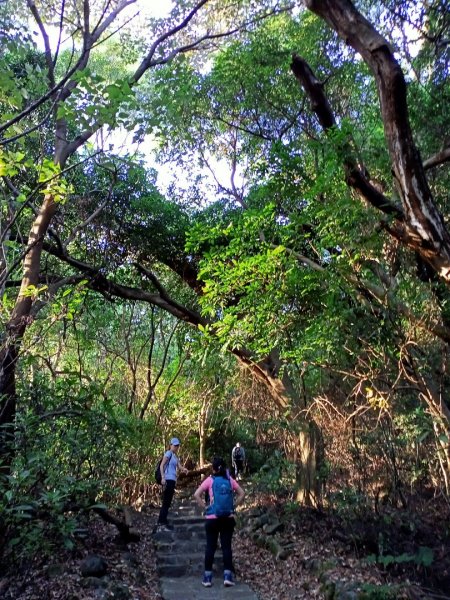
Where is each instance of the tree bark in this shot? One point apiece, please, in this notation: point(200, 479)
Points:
point(20, 318)
point(202, 422)
point(422, 228)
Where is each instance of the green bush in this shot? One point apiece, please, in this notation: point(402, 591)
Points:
point(277, 475)
point(64, 461)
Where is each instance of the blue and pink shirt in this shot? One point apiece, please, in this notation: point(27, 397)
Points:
point(207, 486)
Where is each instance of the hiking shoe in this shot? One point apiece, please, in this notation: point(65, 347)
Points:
point(165, 527)
point(207, 580)
point(228, 579)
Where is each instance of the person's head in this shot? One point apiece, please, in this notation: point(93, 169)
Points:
point(174, 444)
point(238, 444)
point(219, 466)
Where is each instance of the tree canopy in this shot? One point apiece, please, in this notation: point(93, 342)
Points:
point(271, 241)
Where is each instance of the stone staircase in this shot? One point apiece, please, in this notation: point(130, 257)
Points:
point(180, 559)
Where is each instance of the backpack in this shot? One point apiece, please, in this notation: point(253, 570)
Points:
point(237, 454)
point(223, 505)
point(158, 469)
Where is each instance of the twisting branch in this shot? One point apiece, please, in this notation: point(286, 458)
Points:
point(48, 52)
point(423, 228)
point(355, 176)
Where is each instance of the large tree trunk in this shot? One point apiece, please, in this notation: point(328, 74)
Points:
point(20, 317)
point(309, 484)
point(419, 224)
point(202, 420)
point(307, 450)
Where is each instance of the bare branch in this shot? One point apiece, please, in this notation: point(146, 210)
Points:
point(31, 129)
point(73, 234)
point(80, 64)
point(148, 60)
point(48, 52)
point(61, 21)
point(437, 159)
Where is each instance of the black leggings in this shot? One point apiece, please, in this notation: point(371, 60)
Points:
point(213, 527)
point(169, 491)
point(238, 466)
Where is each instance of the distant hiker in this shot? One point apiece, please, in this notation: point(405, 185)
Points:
point(238, 460)
point(170, 465)
point(219, 518)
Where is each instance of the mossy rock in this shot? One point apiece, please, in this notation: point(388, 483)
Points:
point(380, 592)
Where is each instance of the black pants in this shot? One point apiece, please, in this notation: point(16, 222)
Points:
point(238, 467)
point(169, 491)
point(223, 526)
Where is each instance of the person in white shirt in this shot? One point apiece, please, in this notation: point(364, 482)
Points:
point(238, 460)
point(170, 466)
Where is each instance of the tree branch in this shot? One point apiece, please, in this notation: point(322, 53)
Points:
point(424, 228)
point(437, 159)
point(48, 52)
point(355, 176)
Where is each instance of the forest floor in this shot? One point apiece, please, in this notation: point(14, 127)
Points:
point(325, 557)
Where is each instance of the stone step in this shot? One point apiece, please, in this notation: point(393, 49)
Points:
point(179, 534)
point(181, 546)
point(191, 589)
point(188, 520)
point(191, 534)
point(175, 558)
point(180, 559)
point(195, 567)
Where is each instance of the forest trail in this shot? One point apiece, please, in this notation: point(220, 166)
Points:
point(180, 560)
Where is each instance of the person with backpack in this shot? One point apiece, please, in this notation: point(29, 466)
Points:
point(168, 470)
point(219, 519)
point(238, 460)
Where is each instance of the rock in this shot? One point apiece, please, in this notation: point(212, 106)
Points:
point(55, 570)
point(312, 564)
point(346, 591)
point(119, 591)
point(260, 521)
point(346, 595)
point(130, 559)
point(252, 513)
point(93, 582)
point(272, 528)
point(328, 590)
point(93, 566)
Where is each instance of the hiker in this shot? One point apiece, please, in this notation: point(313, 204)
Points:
point(238, 460)
point(170, 465)
point(219, 518)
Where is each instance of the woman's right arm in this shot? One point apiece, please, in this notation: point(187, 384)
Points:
point(198, 496)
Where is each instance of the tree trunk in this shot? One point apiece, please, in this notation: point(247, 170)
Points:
point(20, 318)
point(202, 433)
point(308, 450)
point(421, 226)
point(309, 485)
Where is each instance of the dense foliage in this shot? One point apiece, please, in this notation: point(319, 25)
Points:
point(246, 265)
